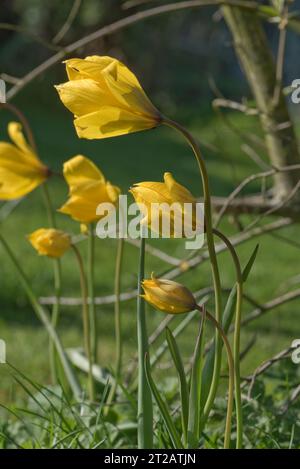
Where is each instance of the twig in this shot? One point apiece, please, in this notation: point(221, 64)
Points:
point(255, 157)
point(274, 303)
point(189, 263)
point(228, 103)
point(68, 23)
point(253, 177)
point(117, 26)
point(265, 366)
point(26, 32)
point(293, 397)
point(280, 55)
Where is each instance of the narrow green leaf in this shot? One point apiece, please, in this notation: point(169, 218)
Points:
point(226, 322)
point(195, 390)
point(247, 269)
point(174, 350)
point(162, 407)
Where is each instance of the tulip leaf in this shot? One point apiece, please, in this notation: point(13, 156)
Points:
point(195, 390)
point(162, 407)
point(226, 322)
point(248, 268)
point(182, 381)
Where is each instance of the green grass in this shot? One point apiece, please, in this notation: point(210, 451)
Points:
point(124, 161)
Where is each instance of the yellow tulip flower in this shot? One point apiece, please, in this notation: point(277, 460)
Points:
point(170, 193)
point(87, 189)
point(50, 242)
point(106, 98)
point(168, 296)
point(21, 171)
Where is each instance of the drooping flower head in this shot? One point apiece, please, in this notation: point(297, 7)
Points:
point(106, 98)
point(168, 296)
point(21, 170)
point(87, 189)
point(50, 242)
point(162, 202)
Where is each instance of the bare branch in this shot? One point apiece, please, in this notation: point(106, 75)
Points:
point(115, 27)
point(68, 23)
point(186, 264)
point(270, 305)
point(265, 366)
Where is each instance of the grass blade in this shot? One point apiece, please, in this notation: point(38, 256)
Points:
point(162, 407)
point(182, 381)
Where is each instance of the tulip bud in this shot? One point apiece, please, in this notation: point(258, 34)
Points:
point(50, 242)
point(168, 296)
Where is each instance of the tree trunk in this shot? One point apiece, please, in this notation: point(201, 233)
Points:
point(254, 53)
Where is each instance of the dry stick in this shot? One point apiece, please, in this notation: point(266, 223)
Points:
point(293, 397)
point(274, 303)
point(26, 32)
point(117, 26)
point(247, 181)
point(277, 206)
point(265, 366)
point(68, 23)
point(189, 263)
point(280, 54)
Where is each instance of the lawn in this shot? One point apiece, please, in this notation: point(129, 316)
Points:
point(124, 161)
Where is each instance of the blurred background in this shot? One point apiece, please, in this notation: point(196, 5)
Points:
point(184, 60)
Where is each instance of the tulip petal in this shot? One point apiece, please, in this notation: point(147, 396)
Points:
point(79, 171)
point(110, 122)
point(19, 173)
point(126, 88)
point(83, 97)
point(177, 191)
point(90, 67)
point(16, 135)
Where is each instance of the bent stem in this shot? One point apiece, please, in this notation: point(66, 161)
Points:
point(236, 339)
point(91, 294)
point(212, 256)
point(145, 411)
point(42, 315)
point(86, 323)
point(231, 374)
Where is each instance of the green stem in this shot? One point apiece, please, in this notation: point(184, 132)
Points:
point(55, 317)
point(86, 323)
point(57, 284)
point(212, 255)
point(145, 411)
point(52, 223)
point(236, 339)
point(195, 390)
point(231, 375)
point(118, 326)
point(91, 294)
point(42, 315)
point(51, 218)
